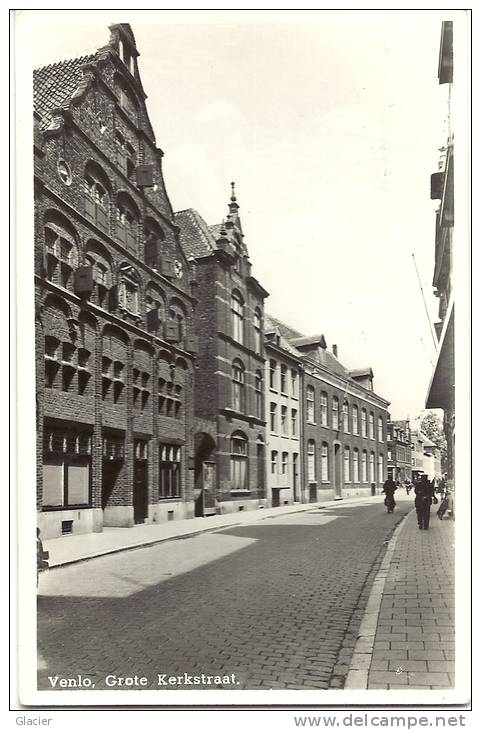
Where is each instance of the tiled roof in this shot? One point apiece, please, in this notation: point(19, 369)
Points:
point(311, 340)
point(360, 372)
point(283, 328)
point(196, 237)
point(54, 85)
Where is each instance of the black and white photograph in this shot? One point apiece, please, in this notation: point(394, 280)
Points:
point(237, 257)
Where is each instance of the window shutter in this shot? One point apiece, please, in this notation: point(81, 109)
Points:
point(168, 267)
point(172, 331)
point(145, 176)
point(192, 344)
point(83, 280)
point(153, 320)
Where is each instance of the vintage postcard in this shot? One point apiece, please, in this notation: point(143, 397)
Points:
point(239, 237)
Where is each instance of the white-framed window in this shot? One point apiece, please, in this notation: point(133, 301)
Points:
point(347, 465)
point(284, 463)
point(284, 420)
point(259, 394)
point(380, 429)
point(273, 417)
point(294, 384)
point(283, 378)
point(257, 330)
point(325, 462)
point(274, 455)
point(364, 423)
point(238, 386)
point(364, 466)
point(324, 415)
point(169, 471)
point(237, 316)
point(310, 404)
point(371, 425)
point(355, 466)
point(335, 413)
point(372, 474)
point(311, 461)
point(272, 374)
point(355, 420)
point(389, 455)
point(345, 417)
point(238, 462)
point(293, 421)
point(380, 468)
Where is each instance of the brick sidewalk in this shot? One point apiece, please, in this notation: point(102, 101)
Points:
point(414, 638)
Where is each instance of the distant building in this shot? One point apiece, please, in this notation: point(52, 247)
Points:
point(344, 422)
point(284, 416)
point(229, 433)
point(399, 466)
point(426, 456)
point(441, 393)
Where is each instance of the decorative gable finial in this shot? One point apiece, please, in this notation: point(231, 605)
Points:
point(233, 197)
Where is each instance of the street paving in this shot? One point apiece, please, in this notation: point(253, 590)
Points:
point(277, 603)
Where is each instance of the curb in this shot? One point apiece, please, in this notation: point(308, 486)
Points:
point(183, 536)
point(358, 674)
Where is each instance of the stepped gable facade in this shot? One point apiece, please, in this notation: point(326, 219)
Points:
point(115, 343)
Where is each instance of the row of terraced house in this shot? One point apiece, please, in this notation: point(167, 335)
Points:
point(164, 390)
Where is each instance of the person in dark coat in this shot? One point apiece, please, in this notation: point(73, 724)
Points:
point(424, 492)
point(389, 488)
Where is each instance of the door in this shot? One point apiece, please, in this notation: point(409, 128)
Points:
point(261, 466)
point(208, 488)
point(141, 501)
point(276, 501)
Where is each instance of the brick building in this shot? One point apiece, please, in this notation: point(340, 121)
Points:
point(283, 407)
point(229, 392)
point(399, 466)
point(114, 336)
point(441, 393)
point(344, 423)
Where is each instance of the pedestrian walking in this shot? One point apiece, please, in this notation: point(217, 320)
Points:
point(424, 492)
point(389, 487)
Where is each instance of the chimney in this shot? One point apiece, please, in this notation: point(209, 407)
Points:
point(334, 350)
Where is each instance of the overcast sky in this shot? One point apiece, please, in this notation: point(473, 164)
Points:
point(330, 123)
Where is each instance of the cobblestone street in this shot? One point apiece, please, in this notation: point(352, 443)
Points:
point(277, 603)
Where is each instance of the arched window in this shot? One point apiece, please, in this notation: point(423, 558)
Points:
point(355, 420)
point(153, 237)
point(311, 460)
point(372, 474)
point(237, 316)
point(239, 462)
point(125, 154)
point(347, 465)
point(259, 394)
point(61, 253)
point(114, 366)
point(371, 425)
point(96, 187)
point(364, 467)
point(98, 258)
point(127, 222)
point(238, 386)
point(364, 423)
point(380, 429)
point(257, 330)
point(129, 289)
point(324, 417)
point(355, 466)
point(310, 404)
point(335, 413)
point(176, 321)
point(154, 308)
point(380, 468)
point(142, 377)
point(325, 462)
point(345, 417)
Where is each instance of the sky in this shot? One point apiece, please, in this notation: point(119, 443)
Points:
point(330, 124)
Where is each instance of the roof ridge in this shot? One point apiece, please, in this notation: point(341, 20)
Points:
point(85, 54)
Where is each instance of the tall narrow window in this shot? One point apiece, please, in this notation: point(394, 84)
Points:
point(311, 461)
point(380, 431)
point(355, 466)
point(238, 386)
point(238, 462)
point(335, 413)
point(257, 331)
point(284, 463)
point(96, 197)
point(380, 468)
point(283, 379)
point(237, 316)
point(345, 417)
point(284, 420)
point(127, 222)
point(274, 462)
point(259, 394)
point(293, 422)
point(294, 384)
point(62, 257)
point(355, 420)
point(347, 469)
point(364, 466)
point(273, 415)
point(310, 404)
point(324, 408)
point(372, 475)
point(364, 423)
point(325, 462)
point(272, 374)
point(371, 425)
point(169, 471)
